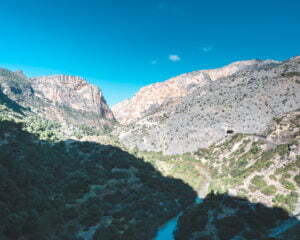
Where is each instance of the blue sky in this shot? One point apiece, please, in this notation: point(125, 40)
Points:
point(123, 45)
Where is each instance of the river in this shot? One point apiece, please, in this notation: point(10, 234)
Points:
point(166, 231)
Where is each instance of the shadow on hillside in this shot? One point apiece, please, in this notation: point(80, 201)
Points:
point(71, 190)
point(80, 190)
point(224, 217)
point(10, 103)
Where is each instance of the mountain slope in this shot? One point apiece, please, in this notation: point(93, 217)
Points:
point(263, 168)
point(244, 102)
point(223, 217)
point(67, 99)
point(151, 97)
point(55, 186)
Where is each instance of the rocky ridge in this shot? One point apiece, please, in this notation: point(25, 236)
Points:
point(244, 101)
point(67, 99)
point(151, 97)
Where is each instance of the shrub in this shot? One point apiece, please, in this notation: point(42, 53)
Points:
point(255, 149)
point(288, 185)
point(258, 181)
point(282, 149)
point(297, 179)
point(269, 190)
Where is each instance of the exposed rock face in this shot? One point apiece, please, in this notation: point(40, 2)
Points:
point(64, 98)
point(240, 159)
point(72, 91)
point(240, 98)
point(151, 97)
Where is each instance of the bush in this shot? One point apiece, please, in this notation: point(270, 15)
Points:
point(282, 149)
point(288, 185)
point(297, 180)
point(255, 149)
point(258, 181)
point(269, 190)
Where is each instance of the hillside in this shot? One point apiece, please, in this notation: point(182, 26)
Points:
point(152, 97)
point(223, 217)
point(254, 186)
point(233, 138)
point(56, 186)
point(66, 99)
point(242, 100)
point(262, 168)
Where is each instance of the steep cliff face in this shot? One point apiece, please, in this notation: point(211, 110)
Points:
point(240, 98)
point(72, 91)
point(68, 99)
point(152, 97)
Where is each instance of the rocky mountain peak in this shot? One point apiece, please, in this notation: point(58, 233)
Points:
point(197, 109)
point(154, 95)
point(59, 97)
point(72, 91)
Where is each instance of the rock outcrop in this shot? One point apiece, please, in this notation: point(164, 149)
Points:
point(68, 99)
point(72, 91)
point(241, 98)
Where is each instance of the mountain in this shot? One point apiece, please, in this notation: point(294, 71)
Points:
point(67, 182)
point(67, 99)
point(151, 97)
point(229, 135)
point(197, 109)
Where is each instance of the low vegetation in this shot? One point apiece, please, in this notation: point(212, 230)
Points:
point(224, 217)
point(53, 187)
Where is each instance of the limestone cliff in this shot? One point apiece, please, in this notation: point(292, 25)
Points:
point(68, 99)
point(149, 98)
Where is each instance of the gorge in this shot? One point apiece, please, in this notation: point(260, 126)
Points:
point(72, 168)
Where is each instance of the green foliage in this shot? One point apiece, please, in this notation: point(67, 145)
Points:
point(269, 190)
point(286, 175)
point(56, 189)
point(287, 184)
point(84, 130)
point(183, 166)
point(261, 184)
point(254, 149)
point(297, 180)
point(43, 128)
point(282, 149)
point(259, 181)
point(286, 201)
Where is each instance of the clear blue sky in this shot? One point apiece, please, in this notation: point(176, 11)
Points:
point(123, 45)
